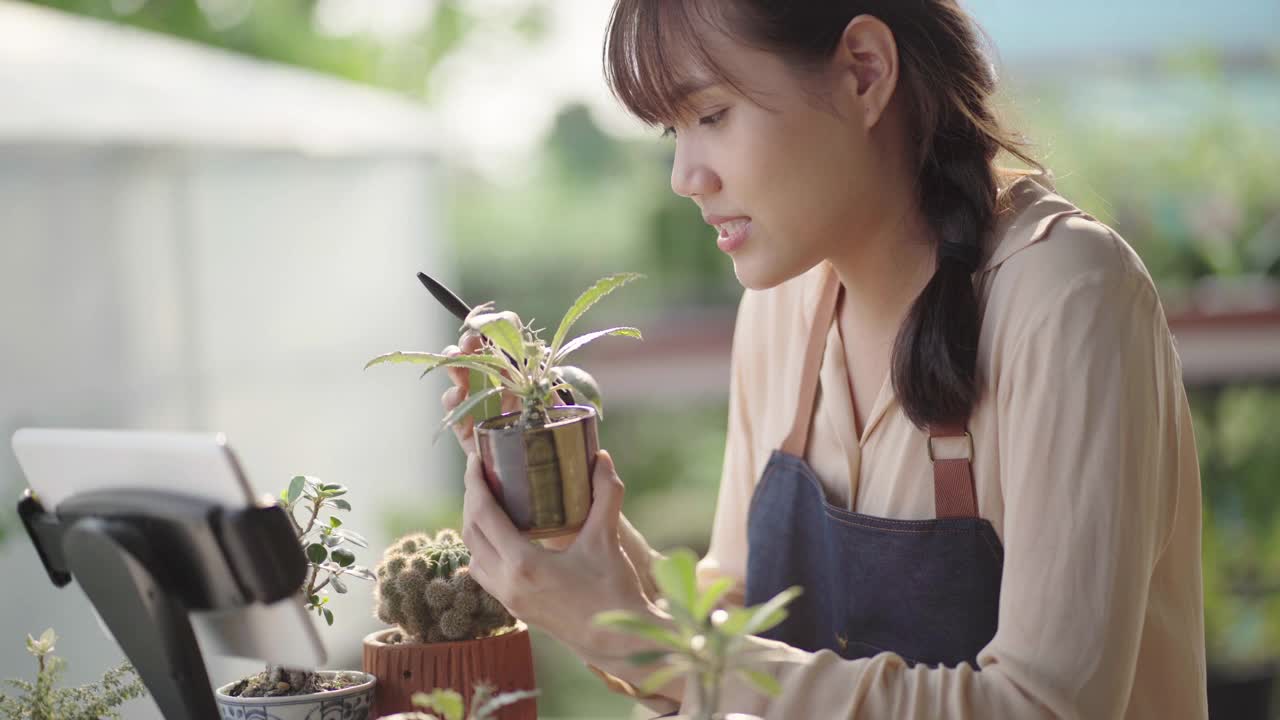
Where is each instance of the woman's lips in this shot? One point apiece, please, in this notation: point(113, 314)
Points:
point(733, 232)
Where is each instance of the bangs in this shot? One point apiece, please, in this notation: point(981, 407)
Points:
point(656, 58)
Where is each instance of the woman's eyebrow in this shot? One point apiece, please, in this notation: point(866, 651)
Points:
point(687, 89)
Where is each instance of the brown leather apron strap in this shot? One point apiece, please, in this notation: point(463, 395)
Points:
point(798, 439)
point(954, 495)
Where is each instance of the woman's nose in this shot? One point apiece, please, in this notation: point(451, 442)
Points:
point(690, 177)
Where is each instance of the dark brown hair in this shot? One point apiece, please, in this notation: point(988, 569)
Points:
point(948, 83)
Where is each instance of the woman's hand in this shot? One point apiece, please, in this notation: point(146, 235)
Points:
point(557, 591)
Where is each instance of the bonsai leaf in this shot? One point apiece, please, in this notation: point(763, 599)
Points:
point(707, 601)
point(295, 489)
point(317, 553)
point(602, 287)
point(352, 537)
point(582, 340)
point(658, 679)
point(362, 573)
point(465, 407)
point(628, 622)
point(446, 702)
point(503, 329)
point(677, 578)
point(648, 657)
point(763, 682)
point(328, 615)
point(583, 385)
point(340, 504)
point(343, 557)
point(767, 616)
point(493, 704)
point(338, 585)
point(481, 362)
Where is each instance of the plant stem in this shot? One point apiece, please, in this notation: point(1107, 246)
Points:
point(315, 511)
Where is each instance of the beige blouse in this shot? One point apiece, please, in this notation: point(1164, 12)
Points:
point(1084, 462)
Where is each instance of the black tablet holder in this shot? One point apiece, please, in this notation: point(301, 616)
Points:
point(146, 558)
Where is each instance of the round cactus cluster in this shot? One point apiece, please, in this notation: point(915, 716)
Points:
point(426, 588)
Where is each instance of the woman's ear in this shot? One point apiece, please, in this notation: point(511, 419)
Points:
point(867, 63)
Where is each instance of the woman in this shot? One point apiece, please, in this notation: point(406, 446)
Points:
point(956, 412)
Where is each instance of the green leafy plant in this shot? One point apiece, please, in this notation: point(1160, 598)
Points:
point(43, 700)
point(702, 642)
point(426, 589)
point(484, 704)
point(517, 360)
point(324, 544)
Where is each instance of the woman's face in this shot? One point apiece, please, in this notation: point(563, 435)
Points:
point(799, 178)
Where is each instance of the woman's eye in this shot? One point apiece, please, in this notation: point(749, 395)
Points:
point(712, 119)
point(709, 120)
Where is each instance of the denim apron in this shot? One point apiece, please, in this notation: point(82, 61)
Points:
point(926, 590)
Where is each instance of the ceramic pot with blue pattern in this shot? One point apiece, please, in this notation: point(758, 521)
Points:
point(351, 703)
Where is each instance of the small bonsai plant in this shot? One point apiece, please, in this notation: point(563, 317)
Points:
point(538, 461)
point(447, 632)
point(517, 360)
point(703, 642)
point(484, 704)
point(43, 700)
point(323, 543)
point(425, 589)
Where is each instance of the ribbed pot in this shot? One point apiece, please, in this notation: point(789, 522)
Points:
point(504, 661)
point(541, 476)
point(351, 703)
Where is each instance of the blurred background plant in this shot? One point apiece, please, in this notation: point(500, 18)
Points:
point(1163, 121)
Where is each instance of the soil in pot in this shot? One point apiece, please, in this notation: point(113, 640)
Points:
point(403, 668)
point(283, 682)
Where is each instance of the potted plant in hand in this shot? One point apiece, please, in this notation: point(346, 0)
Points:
point(702, 642)
point(449, 632)
point(304, 694)
point(43, 700)
point(484, 704)
point(537, 460)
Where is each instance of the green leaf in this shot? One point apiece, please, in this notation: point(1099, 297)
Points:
point(343, 557)
point(629, 622)
point(500, 701)
point(676, 577)
point(478, 382)
point(295, 489)
point(328, 616)
point(352, 537)
point(317, 553)
point(579, 342)
point(338, 585)
point(341, 504)
point(585, 389)
point(589, 297)
point(648, 657)
point(660, 678)
point(465, 407)
point(763, 682)
point(707, 601)
point(334, 522)
point(503, 329)
point(332, 491)
point(767, 615)
point(446, 702)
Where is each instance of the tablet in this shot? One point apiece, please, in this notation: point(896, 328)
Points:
point(59, 463)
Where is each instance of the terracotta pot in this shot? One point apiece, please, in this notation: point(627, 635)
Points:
point(402, 669)
point(541, 476)
point(353, 703)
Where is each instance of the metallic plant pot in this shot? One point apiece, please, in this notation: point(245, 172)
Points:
point(542, 476)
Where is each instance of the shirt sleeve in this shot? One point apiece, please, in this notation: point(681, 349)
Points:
point(1088, 394)
point(727, 553)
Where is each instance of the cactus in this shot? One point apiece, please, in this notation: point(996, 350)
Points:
point(425, 587)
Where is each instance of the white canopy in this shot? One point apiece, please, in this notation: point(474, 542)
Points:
point(65, 78)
